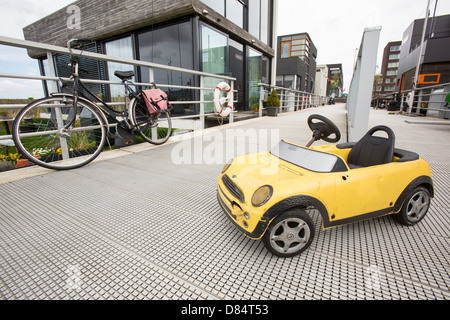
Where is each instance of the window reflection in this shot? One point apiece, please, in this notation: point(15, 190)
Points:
point(170, 46)
point(235, 12)
point(254, 17)
point(264, 21)
point(217, 5)
point(254, 75)
point(118, 48)
point(214, 59)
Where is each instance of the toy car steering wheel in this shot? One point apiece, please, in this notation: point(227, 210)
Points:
point(323, 129)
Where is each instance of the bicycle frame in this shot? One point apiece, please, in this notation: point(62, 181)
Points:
point(104, 106)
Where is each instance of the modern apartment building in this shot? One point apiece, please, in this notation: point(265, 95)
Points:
point(227, 37)
point(435, 61)
point(389, 67)
point(296, 62)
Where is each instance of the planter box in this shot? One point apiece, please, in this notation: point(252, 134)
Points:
point(272, 111)
point(25, 162)
point(6, 165)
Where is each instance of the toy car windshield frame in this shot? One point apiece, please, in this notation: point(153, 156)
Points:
point(308, 159)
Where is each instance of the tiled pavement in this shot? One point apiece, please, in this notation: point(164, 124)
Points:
point(144, 223)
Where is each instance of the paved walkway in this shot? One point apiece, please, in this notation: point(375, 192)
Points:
point(144, 223)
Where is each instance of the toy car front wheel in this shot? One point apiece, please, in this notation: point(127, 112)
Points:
point(290, 233)
point(415, 207)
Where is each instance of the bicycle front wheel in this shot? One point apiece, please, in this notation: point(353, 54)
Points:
point(153, 128)
point(39, 134)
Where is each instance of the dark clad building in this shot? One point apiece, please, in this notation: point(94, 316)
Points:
point(227, 37)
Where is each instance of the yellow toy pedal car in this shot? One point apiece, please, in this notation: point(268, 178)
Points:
point(267, 195)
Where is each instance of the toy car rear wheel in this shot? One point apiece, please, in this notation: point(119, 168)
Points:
point(290, 233)
point(415, 207)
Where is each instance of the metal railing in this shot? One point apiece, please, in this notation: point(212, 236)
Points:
point(51, 50)
point(428, 101)
point(290, 99)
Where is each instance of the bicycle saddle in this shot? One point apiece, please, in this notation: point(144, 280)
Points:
point(124, 75)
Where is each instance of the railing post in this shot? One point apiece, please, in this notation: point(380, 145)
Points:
point(232, 111)
point(419, 103)
point(202, 103)
point(261, 99)
point(402, 101)
point(51, 67)
point(57, 111)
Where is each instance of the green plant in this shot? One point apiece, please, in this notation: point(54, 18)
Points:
point(255, 107)
point(12, 157)
point(272, 99)
point(80, 141)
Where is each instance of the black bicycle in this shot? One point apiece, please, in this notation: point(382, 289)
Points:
point(68, 130)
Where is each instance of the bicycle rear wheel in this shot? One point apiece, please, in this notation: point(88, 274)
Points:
point(153, 128)
point(39, 136)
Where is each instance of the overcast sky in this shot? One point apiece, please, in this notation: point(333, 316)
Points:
point(335, 27)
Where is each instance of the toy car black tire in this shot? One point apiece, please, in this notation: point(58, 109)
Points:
point(290, 233)
point(415, 207)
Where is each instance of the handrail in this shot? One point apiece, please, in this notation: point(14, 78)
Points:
point(99, 56)
point(52, 49)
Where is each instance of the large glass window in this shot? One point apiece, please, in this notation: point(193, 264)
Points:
point(171, 46)
point(214, 50)
point(217, 5)
point(258, 19)
point(286, 49)
point(122, 48)
point(235, 12)
point(254, 9)
point(254, 75)
point(264, 21)
point(214, 59)
point(236, 67)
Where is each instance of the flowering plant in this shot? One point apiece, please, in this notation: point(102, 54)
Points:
point(42, 152)
point(12, 157)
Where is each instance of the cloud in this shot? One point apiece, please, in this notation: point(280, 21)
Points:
point(17, 14)
point(336, 27)
point(19, 89)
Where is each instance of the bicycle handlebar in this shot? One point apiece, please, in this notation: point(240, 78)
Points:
point(77, 43)
point(72, 43)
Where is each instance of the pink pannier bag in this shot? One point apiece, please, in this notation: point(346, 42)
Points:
point(156, 100)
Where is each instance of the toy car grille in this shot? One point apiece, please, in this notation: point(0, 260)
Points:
point(232, 188)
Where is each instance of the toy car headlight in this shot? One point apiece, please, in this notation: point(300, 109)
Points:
point(227, 165)
point(262, 195)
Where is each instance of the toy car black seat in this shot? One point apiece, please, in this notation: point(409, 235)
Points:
point(372, 150)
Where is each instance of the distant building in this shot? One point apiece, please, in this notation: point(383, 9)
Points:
point(389, 67)
point(296, 62)
point(435, 62)
point(321, 82)
point(335, 80)
point(384, 83)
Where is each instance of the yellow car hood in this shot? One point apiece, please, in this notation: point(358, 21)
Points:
point(252, 171)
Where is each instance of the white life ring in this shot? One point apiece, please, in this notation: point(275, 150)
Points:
point(218, 101)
